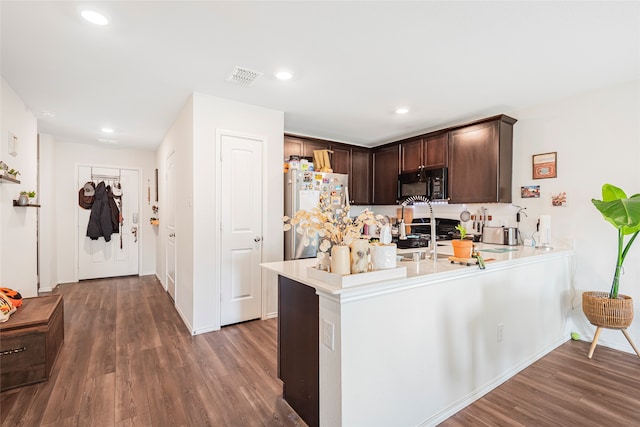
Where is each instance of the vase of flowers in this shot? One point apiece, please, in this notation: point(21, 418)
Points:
point(330, 226)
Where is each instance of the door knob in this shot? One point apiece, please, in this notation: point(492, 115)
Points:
point(172, 234)
point(257, 239)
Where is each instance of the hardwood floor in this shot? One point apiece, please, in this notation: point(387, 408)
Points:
point(128, 360)
point(564, 388)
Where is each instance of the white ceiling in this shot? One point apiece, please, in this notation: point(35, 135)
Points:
point(354, 63)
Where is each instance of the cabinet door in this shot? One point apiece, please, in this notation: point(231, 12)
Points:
point(411, 155)
point(436, 150)
point(360, 177)
point(293, 147)
point(473, 164)
point(309, 146)
point(340, 159)
point(385, 175)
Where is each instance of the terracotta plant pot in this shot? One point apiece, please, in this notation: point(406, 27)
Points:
point(605, 312)
point(462, 248)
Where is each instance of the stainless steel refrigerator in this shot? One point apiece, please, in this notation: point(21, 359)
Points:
point(302, 191)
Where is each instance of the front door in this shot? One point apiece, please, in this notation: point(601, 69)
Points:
point(241, 238)
point(118, 257)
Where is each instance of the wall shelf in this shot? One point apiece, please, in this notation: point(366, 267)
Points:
point(15, 203)
point(6, 178)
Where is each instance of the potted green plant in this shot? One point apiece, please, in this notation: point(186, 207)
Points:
point(462, 248)
point(613, 310)
point(23, 200)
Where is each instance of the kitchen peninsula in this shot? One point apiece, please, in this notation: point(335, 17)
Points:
point(414, 351)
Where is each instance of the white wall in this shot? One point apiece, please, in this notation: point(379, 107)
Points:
point(597, 137)
point(198, 266)
point(48, 230)
point(67, 156)
point(179, 140)
point(18, 225)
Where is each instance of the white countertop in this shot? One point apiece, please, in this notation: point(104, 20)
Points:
point(425, 272)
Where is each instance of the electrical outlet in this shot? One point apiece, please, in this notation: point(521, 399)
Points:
point(500, 331)
point(328, 330)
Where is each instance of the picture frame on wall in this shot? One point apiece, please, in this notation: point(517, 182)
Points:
point(545, 165)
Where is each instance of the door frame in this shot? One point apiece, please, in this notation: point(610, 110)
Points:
point(217, 239)
point(165, 238)
point(76, 249)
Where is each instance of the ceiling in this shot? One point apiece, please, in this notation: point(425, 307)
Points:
point(353, 63)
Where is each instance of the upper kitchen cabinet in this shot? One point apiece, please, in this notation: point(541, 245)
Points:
point(385, 174)
point(411, 157)
point(293, 146)
point(429, 151)
point(303, 147)
point(340, 159)
point(436, 150)
point(360, 176)
point(480, 161)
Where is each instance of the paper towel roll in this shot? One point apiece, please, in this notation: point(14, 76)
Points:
point(545, 229)
point(383, 256)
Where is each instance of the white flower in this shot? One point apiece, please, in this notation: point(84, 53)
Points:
point(332, 226)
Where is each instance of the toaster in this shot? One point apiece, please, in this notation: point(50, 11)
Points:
point(500, 235)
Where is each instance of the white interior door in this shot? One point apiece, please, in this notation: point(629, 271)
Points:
point(170, 220)
point(118, 257)
point(241, 236)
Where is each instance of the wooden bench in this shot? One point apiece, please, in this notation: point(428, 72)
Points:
point(30, 341)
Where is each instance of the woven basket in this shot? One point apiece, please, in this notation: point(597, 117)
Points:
point(606, 312)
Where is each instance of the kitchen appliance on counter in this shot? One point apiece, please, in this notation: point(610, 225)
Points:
point(500, 235)
point(429, 183)
point(421, 234)
point(303, 190)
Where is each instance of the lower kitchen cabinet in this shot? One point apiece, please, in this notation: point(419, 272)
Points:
point(480, 162)
point(385, 175)
point(298, 348)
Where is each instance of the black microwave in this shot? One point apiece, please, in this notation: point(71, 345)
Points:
point(429, 183)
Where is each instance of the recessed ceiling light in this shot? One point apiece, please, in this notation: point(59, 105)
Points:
point(48, 114)
point(402, 110)
point(284, 75)
point(107, 130)
point(94, 17)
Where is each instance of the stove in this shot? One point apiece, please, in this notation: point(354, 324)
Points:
point(421, 234)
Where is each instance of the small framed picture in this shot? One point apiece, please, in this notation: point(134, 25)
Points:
point(545, 165)
point(530, 191)
point(13, 144)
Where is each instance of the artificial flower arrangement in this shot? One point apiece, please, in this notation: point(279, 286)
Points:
point(332, 226)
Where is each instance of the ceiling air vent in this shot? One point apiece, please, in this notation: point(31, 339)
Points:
point(243, 76)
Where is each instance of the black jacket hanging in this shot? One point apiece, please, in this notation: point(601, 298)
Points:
point(100, 218)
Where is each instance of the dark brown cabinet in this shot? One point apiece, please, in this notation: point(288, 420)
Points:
point(385, 174)
point(426, 152)
point(293, 146)
point(480, 161)
point(436, 151)
point(411, 157)
point(303, 147)
point(299, 349)
point(360, 176)
point(341, 159)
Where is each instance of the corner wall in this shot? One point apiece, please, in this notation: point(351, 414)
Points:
point(18, 225)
